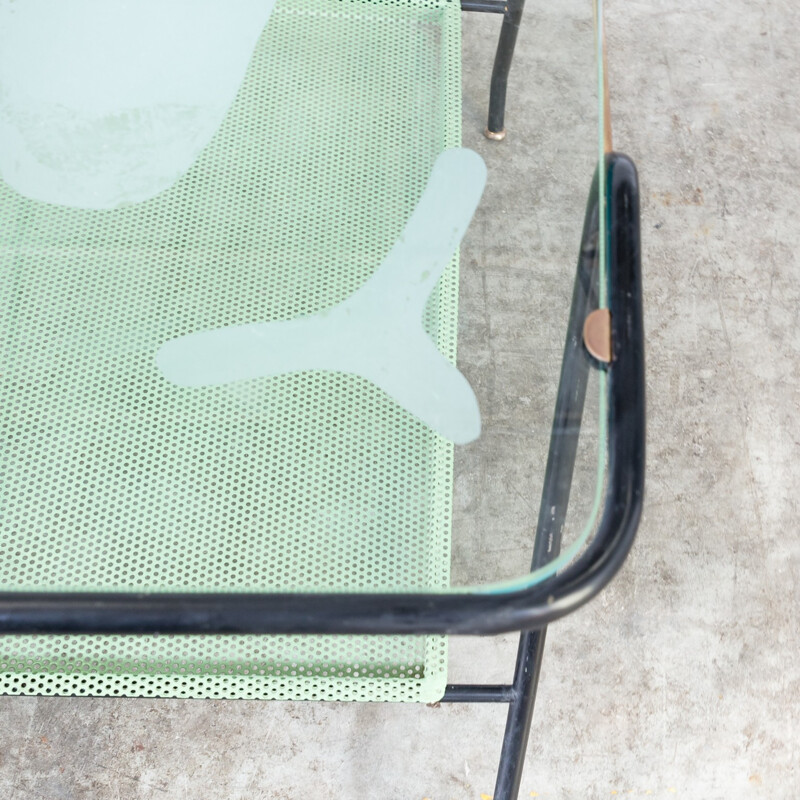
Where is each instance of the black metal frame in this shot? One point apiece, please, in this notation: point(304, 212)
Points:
point(512, 16)
point(424, 613)
point(528, 610)
point(625, 273)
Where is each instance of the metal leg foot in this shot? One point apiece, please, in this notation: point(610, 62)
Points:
point(495, 136)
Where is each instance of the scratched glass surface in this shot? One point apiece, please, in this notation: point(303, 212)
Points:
point(108, 103)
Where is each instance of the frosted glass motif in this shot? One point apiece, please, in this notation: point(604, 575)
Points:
point(377, 331)
point(108, 102)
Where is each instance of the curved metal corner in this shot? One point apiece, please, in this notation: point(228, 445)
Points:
point(453, 613)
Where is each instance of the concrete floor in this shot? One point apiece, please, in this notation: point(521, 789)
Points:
point(683, 678)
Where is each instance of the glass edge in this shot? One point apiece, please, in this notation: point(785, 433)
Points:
point(570, 553)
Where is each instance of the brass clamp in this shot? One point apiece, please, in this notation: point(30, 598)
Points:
point(597, 334)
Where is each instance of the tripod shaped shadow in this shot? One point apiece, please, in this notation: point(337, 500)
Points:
point(377, 331)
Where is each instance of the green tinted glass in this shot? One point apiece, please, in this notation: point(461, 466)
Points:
point(116, 477)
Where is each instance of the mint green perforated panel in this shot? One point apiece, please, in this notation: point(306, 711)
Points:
point(111, 478)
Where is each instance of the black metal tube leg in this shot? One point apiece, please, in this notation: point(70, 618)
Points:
point(495, 128)
point(555, 500)
point(520, 713)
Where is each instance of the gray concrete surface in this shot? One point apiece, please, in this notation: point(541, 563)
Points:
point(683, 679)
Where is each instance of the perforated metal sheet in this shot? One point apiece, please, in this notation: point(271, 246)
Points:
point(113, 479)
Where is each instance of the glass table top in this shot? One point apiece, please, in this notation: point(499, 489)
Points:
point(231, 306)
